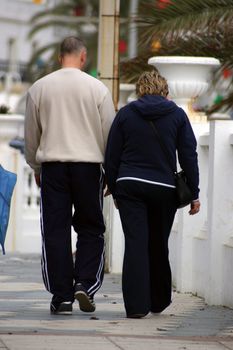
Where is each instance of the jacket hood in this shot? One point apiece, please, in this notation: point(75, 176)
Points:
point(153, 106)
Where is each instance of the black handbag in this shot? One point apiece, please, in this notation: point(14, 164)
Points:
point(183, 192)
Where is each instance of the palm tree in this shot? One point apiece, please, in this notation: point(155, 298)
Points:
point(184, 27)
point(73, 17)
point(166, 27)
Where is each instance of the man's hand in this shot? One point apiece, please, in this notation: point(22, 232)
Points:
point(37, 179)
point(107, 192)
point(194, 207)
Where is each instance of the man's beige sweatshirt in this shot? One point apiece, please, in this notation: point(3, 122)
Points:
point(68, 117)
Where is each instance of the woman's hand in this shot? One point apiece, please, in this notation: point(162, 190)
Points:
point(37, 179)
point(194, 207)
point(107, 192)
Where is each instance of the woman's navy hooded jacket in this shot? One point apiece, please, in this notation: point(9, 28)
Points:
point(133, 151)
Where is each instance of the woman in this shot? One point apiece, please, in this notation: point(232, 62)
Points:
point(142, 185)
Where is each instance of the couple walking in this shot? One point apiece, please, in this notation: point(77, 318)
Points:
point(67, 143)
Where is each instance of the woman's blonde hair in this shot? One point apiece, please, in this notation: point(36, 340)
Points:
point(151, 83)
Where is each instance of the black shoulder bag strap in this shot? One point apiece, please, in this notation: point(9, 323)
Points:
point(163, 147)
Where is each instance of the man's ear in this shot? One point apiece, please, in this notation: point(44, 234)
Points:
point(60, 59)
point(83, 58)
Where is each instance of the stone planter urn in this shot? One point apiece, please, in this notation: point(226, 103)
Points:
point(188, 78)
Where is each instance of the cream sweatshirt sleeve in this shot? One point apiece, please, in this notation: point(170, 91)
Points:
point(107, 114)
point(32, 133)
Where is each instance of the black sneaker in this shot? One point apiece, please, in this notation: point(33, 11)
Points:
point(86, 302)
point(63, 308)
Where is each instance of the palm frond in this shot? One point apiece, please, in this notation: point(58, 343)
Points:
point(35, 72)
point(224, 105)
point(130, 70)
point(64, 9)
point(60, 9)
point(38, 53)
point(184, 28)
point(182, 17)
point(54, 23)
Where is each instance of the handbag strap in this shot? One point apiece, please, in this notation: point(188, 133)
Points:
point(163, 146)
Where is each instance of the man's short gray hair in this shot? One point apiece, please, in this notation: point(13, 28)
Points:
point(70, 45)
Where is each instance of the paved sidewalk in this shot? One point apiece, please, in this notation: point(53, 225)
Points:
point(26, 324)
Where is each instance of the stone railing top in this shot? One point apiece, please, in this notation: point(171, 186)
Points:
point(231, 142)
point(127, 87)
point(11, 125)
point(184, 60)
point(219, 116)
point(11, 117)
point(204, 139)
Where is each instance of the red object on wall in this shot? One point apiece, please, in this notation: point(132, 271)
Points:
point(162, 4)
point(122, 46)
point(227, 73)
point(78, 11)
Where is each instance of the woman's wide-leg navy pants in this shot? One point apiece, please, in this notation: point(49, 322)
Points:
point(147, 213)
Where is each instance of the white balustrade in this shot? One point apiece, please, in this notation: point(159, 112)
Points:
point(181, 241)
point(114, 234)
point(23, 232)
point(219, 284)
point(31, 192)
point(125, 91)
point(27, 231)
point(10, 127)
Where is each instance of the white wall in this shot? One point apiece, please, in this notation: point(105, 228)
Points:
point(15, 23)
point(202, 249)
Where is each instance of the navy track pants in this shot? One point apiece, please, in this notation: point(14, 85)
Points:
point(72, 195)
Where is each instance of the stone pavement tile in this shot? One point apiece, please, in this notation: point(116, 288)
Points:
point(165, 344)
point(6, 278)
point(20, 287)
point(24, 309)
point(190, 318)
point(34, 342)
point(228, 345)
point(47, 342)
point(2, 346)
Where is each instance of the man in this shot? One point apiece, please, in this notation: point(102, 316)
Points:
point(68, 117)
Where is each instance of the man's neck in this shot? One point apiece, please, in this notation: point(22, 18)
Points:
point(73, 60)
point(70, 66)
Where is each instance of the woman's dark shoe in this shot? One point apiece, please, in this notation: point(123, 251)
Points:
point(136, 315)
